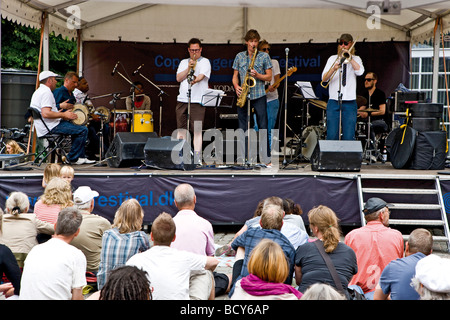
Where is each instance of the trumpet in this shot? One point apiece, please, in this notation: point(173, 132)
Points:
point(344, 58)
point(190, 77)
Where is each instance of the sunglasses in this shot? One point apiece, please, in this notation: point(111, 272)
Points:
point(265, 49)
point(369, 79)
point(345, 43)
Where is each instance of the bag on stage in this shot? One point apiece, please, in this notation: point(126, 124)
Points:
point(429, 152)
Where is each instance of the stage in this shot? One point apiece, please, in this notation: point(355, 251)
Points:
point(229, 195)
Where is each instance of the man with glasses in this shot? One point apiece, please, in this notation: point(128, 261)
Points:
point(375, 245)
point(376, 99)
point(194, 87)
point(342, 83)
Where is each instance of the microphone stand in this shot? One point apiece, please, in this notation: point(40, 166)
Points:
point(161, 93)
point(132, 98)
point(100, 134)
point(285, 109)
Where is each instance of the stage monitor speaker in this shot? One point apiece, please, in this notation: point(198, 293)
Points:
point(337, 155)
point(127, 149)
point(168, 153)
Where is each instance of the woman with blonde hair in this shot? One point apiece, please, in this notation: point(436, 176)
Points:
point(123, 240)
point(51, 171)
point(21, 228)
point(310, 267)
point(12, 147)
point(268, 269)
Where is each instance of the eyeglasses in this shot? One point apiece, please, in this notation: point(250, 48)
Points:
point(369, 79)
point(345, 43)
point(265, 49)
point(194, 50)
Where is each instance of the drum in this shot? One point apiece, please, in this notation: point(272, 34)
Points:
point(122, 120)
point(103, 111)
point(83, 114)
point(143, 121)
point(310, 137)
point(361, 130)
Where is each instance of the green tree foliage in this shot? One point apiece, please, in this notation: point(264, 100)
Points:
point(20, 49)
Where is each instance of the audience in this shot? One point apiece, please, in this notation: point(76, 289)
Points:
point(396, 278)
point(51, 171)
point(92, 228)
point(268, 269)
point(432, 279)
point(67, 173)
point(55, 270)
point(169, 269)
point(271, 222)
point(195, 234)
point(293, 212)
point(375, 245)
point(21, 228)
point(322, 291)
point(123, 240)
point(310, 267)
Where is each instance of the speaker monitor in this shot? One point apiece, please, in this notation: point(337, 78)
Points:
point(337, 155)
point(168, 153)
point(127, 149)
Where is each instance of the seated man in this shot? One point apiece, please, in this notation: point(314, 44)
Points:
point(58, 122)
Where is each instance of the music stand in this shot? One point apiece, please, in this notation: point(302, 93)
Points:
point(214, 98)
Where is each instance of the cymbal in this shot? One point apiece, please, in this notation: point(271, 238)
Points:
point(369, 110)
point(319, 103)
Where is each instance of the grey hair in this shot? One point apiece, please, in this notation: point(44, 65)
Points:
point(427, 294)
point(184, 194)
point(84, 206)
point(17, 202)
point(322, 291)
point(69, 220)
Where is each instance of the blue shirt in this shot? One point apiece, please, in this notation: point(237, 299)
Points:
point(396, 277)
point(61, 94)
point(262, 63)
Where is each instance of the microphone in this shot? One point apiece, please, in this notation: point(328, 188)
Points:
point(286, 50)
point(137, 70)
point(100, 114)
point(115, 68)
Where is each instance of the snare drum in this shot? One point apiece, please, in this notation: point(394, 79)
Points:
point(361, 130)
point(83, 114)
point(143, 121)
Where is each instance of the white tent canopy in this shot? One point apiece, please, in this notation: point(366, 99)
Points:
point(218, 21)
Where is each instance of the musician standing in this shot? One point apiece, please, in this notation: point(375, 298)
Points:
point(200, 69)
point(344, 82)
point(261, 72)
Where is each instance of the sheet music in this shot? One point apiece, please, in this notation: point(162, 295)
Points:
point(307, 89)
point(212, 98)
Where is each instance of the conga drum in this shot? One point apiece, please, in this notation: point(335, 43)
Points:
point(143, 121)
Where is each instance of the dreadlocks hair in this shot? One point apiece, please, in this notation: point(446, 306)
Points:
point(127, 283)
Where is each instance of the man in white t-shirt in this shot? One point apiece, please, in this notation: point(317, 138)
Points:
point(55, 270)
point(169, 269)
point(58, 122)
point(193, 73)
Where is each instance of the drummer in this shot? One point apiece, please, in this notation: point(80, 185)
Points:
point(64, 95)
point(141, 101)
point(80, 93)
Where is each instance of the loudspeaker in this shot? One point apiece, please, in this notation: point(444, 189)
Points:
point(168, 153)
point(127, 149)
point(337, 155)
point(429, 152)
point(425, 124)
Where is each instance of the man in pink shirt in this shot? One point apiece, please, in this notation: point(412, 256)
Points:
point(375, 245)
point(195, 234)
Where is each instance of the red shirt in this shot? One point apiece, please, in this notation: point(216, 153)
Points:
point(375, 246)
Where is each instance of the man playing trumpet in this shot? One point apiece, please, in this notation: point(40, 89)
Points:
point(340, 72)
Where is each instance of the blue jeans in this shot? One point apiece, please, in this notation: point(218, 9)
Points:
point(348, 121)
point(272, 113)
point(79, 136)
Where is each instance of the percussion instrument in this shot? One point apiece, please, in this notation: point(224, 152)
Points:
point(318, 103)
point(104, 111)
point(121, 120)
point(310, 137)
point(361, 130)
point(143, 121)
point(83, 114)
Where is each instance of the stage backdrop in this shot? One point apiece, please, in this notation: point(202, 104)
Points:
point(390, 60)
point(221, 199)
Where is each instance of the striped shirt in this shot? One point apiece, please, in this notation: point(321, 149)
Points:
point(117, 248)
point(262, 63)
point(46, 212)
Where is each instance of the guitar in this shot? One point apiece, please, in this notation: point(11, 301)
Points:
point(290, 71)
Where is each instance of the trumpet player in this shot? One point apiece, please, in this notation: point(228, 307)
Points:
point(193, 74)
point(261, 73)
point(340, 72)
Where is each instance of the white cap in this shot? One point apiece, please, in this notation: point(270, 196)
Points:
point(434, 273)
point(84, 194)
point(46, 74)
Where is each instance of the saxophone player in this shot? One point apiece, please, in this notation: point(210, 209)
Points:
point(261, 73)
point(193, 75)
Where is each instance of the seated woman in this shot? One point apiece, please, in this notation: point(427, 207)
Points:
point(12, 147)
point(268, 270)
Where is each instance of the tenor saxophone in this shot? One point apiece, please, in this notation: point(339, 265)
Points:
point(249, 82)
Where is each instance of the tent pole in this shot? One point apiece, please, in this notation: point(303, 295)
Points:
point(245, 22)
point(436, 49)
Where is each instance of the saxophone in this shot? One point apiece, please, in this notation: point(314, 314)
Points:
point(249, 82)
point(190, 77)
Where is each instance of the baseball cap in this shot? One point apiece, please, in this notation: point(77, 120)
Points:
point(346, 37)
point(46, 74)
point(433, 272)
point(84, 194)
point(374, 204)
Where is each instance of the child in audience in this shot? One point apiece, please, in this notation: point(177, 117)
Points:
point(51, 171)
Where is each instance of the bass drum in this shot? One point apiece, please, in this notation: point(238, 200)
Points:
point(310, 137)
point(83, 114)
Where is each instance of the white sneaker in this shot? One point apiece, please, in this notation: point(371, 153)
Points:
point(87, 161)
point(80, 161)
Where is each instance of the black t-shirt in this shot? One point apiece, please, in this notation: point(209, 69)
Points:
point(373, 102)
point(315, 270)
